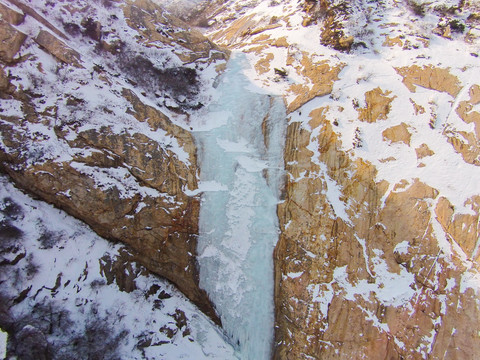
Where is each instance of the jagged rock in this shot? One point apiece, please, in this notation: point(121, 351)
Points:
point(398, 133)
point(58, 48)
point(11, 40)
point(378, 105)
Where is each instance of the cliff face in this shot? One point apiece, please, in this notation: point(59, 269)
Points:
point(69, 294)
point(378, 253)
point(88, 95)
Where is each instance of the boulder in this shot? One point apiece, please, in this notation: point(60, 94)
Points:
point(11, 40)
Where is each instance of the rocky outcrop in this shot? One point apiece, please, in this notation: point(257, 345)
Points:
point(398, 133)
point(383, 271)
point(77, 133)
point(10, 41)
point(429, 77)
point(377, 105)
point(58, 48)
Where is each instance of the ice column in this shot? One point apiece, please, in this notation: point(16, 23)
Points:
point(243, 159)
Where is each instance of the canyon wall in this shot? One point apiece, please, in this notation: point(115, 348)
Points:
point(378, 255)
point(88, 94)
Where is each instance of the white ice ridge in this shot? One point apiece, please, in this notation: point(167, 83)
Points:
point(239, 227)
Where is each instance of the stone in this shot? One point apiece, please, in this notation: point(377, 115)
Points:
point(429, 77)
point(378, 105)
point(393, 41)
point(320, 75)
point(11, 40)
point(58, 49)
point(11, 16)
point(467, 143)
point(398, 133)
point(423, 151)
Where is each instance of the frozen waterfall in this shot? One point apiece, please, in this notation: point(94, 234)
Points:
point(241, 162)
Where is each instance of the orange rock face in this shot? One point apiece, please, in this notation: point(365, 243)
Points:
point(366, 283)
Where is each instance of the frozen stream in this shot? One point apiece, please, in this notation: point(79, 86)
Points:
point(241, 176)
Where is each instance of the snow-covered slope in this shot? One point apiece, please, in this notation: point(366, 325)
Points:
point(96, 100)
point(66, 293)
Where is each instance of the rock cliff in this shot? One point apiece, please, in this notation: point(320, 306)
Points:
point(94, 110)
point(378, 252)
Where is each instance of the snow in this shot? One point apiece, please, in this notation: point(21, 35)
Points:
point(402, 247)
point(294, 275)
point(63, 250)
point(390, 289)
point(239, 227)
point(3, 344)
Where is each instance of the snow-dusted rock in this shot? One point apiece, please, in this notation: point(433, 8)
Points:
point(73, 295)
point(95, 112)
point(379, 226)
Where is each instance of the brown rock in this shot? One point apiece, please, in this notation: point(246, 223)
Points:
point(423, 151)
point(11, 40)
point(316, 311)
point(394, 41)
point(417, 108)
point(263, 65)
point(378, 105)
point(398, 133)
point(30, 12)
point(467, 143)
point(5, 86)
point(332, 29)
point(464, 229)
point(321, 77)
point(429, 77)
point(11, 16)
point(58, 48)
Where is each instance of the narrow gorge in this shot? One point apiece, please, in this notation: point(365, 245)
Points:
point(239, 179)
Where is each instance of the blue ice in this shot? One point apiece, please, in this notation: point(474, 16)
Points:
point(239, 226)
